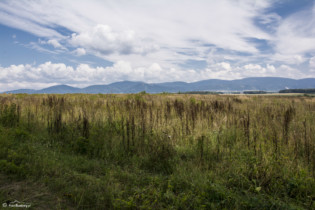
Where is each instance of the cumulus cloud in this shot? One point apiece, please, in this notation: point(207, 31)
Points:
point(55, 43)
point(255, 69)
point(167, 24)
point(24, 85)
point(104, 40)
point(224, 65)
point(46, 74)
point(149, 40)
point(79, 51)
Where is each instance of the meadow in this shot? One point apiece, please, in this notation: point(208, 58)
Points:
point(162, 151)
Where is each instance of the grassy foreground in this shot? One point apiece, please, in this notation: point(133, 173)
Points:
point(144, 151)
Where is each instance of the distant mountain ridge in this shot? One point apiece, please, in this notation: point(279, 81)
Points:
point(252, 83)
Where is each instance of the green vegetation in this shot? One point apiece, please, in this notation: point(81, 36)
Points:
point(310, 91)
point(165, 151)
point(202, 92)
point(255, 92)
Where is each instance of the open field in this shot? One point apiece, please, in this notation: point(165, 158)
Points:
point(164, 151)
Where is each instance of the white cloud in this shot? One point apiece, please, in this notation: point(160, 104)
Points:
point(224, 65)
point(24, 85)
point(293, 59)
point(104, 40)
point(253, 70)
point(21, 21)
point(271, 68)
point(148, 40)
point(55, 43)
point(168, 24)
point(79, 51)
point(296, 34)
point(38, 47)
point(32, 76)
point(312, 64)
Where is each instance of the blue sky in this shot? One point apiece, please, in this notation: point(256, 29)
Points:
point(83, 43)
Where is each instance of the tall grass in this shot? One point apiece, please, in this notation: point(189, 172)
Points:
point(163, 151)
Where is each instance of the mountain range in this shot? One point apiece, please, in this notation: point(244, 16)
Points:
point(272, 84)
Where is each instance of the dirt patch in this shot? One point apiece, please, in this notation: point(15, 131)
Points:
point(37, 195)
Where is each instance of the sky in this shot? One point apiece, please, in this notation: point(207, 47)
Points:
point(88, 42)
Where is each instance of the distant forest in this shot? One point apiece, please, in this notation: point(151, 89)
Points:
point(200, 92)
point(306, 91)
point(298, 91)
point(255, 92)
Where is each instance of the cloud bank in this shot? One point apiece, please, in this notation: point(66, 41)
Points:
point(48, 74)
point(154, 41)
